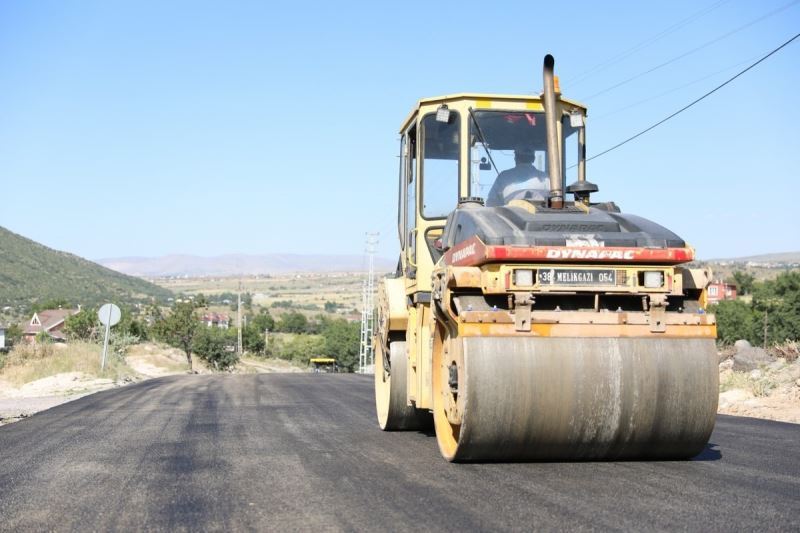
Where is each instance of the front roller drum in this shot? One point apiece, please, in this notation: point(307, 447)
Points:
point(538, 398)
point(391, 400)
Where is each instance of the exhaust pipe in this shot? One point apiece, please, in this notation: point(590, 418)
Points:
point(553, 151)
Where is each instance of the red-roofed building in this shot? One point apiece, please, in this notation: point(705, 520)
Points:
point(50, 321)
point(719, 290)
point(219, 320)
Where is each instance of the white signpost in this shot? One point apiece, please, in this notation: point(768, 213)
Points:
point(109, 315)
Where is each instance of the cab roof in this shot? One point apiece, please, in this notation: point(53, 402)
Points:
point(484, 97)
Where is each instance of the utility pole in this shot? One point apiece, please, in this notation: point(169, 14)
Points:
point(366, 357)
point(362, 352)
point(239, 321)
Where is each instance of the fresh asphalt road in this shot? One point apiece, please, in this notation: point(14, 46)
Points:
point(288, 452)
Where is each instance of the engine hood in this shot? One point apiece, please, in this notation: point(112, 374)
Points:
point(598, 225)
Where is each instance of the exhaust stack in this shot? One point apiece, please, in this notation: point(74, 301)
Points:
point(553, 150)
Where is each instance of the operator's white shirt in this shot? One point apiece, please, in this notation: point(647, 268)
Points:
point(523, 177)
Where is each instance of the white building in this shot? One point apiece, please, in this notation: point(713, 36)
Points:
point(2, 336)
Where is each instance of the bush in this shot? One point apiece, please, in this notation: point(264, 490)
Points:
point(789, 350)
point(13, 336)
point(298, 348)
point(119, 342)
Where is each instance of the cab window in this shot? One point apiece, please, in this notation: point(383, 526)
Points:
point(411, 193)
point(440, 153)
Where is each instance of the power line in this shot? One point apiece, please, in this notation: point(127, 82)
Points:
point(678, 88)
point(692, 51)
point(684, 108)
point(577, 80)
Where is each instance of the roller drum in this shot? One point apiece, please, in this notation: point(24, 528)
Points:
point(536, 398)
point(394, 412)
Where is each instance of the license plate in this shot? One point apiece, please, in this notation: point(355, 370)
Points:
point(575, 276)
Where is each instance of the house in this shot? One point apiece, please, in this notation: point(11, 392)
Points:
point(219, 320)
point(718, 290)
point(50, 321)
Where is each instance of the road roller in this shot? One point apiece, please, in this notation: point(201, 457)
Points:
point(527, 321)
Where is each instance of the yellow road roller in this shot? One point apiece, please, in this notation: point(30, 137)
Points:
point(526, 321)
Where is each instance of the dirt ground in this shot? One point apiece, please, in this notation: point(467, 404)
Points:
point(771, 391)
point(147, 360)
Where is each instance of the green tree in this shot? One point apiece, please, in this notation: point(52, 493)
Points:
point(217, 346)
point(744, 281)
point(342, 342)
point(779, 300)
point(735, 320)
point(253, 340)
point(84, 325)
point(247, 301)
point(263, 321)
point(293, 322)
point(179, 327)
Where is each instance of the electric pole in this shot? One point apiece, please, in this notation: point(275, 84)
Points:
point(366, 356)
point(239, 321)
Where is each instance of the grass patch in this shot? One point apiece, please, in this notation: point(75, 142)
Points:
point(759, 387)
point(26, 363)
point(734, 380)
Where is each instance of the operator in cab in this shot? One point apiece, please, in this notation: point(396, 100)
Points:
point(523, 181)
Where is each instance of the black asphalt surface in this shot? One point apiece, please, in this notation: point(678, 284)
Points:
point(289, 452)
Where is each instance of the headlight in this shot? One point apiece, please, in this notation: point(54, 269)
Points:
point(653, 279)
point(523, 277)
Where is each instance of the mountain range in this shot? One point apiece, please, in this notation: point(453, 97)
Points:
point(780, 257)
point(240, 264)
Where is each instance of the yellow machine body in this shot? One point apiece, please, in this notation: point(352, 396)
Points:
point(536, 370)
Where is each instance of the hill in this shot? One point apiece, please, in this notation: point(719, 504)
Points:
point(779, 257)
point(240, 265)
point(31, 273)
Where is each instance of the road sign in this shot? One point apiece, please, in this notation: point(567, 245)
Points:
point(109, 315)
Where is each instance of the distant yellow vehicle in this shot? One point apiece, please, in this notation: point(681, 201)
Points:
point(525, 325)
point(323, 364)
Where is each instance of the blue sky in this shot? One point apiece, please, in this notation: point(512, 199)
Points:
point(148, 127)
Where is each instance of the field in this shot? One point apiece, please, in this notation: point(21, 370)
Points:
point(307, 292)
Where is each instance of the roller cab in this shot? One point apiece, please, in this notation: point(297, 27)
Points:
point(525, 324)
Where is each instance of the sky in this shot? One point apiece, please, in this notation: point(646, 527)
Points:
point(145, 128)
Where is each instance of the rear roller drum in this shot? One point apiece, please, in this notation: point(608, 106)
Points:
point(539, 398)
point(391, 402)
